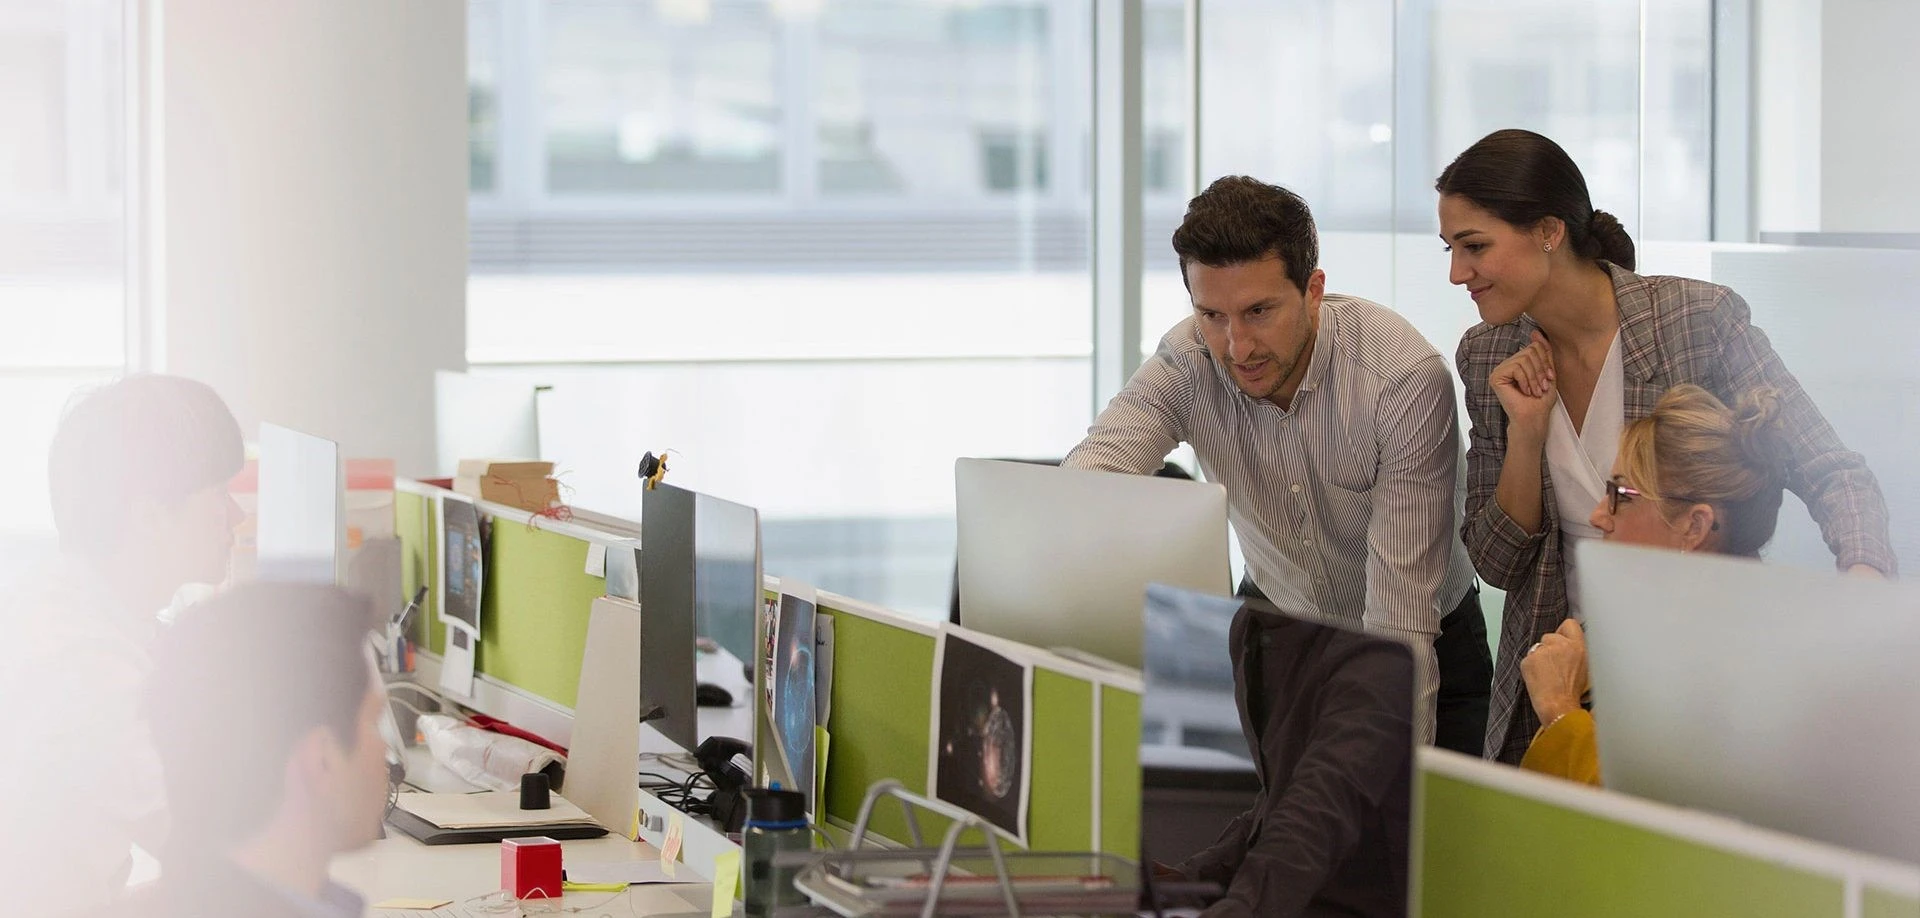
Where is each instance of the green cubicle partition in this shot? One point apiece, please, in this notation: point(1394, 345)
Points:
point(1085, 779)
point(1495, 840)
point(1085, 771)
point(537, 598)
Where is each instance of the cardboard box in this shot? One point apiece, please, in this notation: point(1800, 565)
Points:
point(517, 483)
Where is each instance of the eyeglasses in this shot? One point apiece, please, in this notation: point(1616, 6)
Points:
point(1618, 493)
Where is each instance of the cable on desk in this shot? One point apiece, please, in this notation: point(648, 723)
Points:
point(502, 904)
point(684, 761)
point(448, 706)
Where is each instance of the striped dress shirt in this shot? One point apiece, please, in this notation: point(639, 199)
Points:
point(1346, 503)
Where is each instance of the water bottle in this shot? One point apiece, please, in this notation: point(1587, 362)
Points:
point(776, 825)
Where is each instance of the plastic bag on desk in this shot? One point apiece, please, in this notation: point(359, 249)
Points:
point(490, 760)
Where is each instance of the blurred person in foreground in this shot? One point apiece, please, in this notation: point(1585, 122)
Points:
point(138, 474)
point(274, 760)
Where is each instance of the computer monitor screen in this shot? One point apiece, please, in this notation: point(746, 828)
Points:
point(462, 563)
point(699, 577)
point(1061, 558)
point(301, 517)
point(668, 622)
point(1188, 673)
point(726, 571)
point(1781, 696)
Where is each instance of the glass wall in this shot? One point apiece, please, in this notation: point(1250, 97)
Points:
point(816, 250)
point(848, 239)
point(62, 237)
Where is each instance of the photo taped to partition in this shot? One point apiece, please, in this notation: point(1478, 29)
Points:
point(980, 759)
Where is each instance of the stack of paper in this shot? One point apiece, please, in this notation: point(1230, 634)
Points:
point(490, 810)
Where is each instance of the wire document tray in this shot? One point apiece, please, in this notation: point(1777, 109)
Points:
point(923, 880)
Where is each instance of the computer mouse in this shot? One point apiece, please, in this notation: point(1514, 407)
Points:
point(708, 695)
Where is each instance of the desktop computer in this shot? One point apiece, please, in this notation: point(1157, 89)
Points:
point(699, 578)
point(1061, 558)
point(1778, 695)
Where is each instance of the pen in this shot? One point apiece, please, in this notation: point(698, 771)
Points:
point(570, 886)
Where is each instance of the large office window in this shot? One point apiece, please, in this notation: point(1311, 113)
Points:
point(822, 249)
point(1359, 104)
point(816, 250)
point(62, 236)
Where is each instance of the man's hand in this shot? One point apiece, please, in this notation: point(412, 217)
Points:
point(1524, 385)
point(1556, 671)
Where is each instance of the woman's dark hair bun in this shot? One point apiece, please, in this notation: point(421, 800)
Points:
point(1610, 239)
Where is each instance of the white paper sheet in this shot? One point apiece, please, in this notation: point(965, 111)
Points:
point(493, 809)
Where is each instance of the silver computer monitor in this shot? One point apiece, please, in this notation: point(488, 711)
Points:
point(1778, 695)
point(301, 517)
point(699, 577)
point(1061, 558)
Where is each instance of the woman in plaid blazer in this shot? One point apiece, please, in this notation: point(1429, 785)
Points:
point(1573, 346)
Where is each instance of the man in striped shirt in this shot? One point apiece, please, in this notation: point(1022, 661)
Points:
point(1332, 424)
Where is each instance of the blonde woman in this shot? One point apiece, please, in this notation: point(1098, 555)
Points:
point(1694, 475)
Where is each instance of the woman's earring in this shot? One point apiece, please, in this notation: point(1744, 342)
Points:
point(1547, 248)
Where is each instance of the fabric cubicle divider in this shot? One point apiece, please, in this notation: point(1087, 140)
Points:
point(883, 717)
point(538, 597)
point(533, 633)
point(1494, 840)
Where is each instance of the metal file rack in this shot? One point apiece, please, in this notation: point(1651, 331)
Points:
point(867, 880)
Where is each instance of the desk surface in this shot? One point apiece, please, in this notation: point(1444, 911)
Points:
point(398, 866)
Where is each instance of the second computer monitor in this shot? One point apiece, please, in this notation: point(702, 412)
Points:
point(699, 577)
point(1062, 557)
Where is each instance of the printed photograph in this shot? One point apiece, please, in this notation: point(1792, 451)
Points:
point(980, 753)
point(793, 692)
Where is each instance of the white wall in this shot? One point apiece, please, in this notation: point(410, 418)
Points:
point(1870, 122)
point(312, 219)
point(1786, 115)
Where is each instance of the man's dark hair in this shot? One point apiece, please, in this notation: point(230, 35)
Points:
point(146, 436)
point(1523, 178)
point(238, 680)
point(1239, 220)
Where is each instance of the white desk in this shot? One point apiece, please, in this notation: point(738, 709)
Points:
point(397, 867)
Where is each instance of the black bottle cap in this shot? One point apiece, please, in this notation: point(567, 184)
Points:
point(534, 791)
point(775, 807)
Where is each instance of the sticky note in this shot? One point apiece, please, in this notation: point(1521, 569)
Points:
point(670, 847)
point(596, 559)
point(821, 740)
point(726, 876)
point(424, 905)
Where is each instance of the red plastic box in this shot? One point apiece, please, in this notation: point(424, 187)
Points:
point(530, 867)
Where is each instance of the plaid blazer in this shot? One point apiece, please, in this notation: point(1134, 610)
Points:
point(1672, 330)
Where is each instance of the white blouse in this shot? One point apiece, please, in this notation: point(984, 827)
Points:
point(1580, 463)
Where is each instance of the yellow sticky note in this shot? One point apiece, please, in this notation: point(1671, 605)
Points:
point(726, 877)
point(821, 739)
point(670, 847)
point(633, 832)
point(423, 905)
